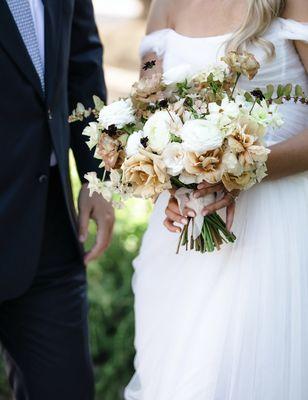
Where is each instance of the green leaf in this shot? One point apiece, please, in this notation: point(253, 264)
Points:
point(280, 91)
point(288, 90)
point(175, 139)
point(278, 101)
point(299, 91)
point(99, 104)
point(270, 91)
point(249, 97)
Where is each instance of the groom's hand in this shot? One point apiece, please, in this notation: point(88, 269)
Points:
point(102, 212)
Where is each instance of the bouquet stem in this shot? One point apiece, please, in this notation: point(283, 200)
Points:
point(214, 233)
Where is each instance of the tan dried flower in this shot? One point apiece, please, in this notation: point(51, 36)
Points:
point(207, 167)
point(148, 90)
point(111, 151)
point(146, 174)
point(242, 63)
point(232, 182)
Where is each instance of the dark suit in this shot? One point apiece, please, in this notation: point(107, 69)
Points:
point(43, 307)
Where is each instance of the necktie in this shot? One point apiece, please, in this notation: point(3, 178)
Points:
point(21, 12)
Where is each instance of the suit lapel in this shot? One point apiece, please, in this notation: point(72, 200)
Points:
point(53, 24)
point(12, 43)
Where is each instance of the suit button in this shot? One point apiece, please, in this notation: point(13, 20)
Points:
point(49, 114)
point(43, 179)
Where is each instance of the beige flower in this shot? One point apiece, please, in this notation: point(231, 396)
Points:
point(111, 151)
point(145, 172)
point(207, 167)
point(242, 63)
point(148, 90)
point(247, 149)
point(232, 182)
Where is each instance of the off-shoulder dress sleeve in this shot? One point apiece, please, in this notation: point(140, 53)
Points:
point(294, 30)
point(155, 42)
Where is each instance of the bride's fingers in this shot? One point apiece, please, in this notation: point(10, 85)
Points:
point(226, 201)
point(230, 216)
point(204, 185)
point(171, 227)
point(175, 217)
point(208, 190)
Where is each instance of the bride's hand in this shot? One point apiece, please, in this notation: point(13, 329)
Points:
point(227, 200)
point(173, 215)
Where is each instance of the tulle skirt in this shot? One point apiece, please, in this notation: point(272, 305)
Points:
point(230, 325)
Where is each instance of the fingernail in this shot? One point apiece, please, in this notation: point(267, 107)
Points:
point(205, 213)
point(81, 238)
point(191, 214)
point(178, 230)
point(196, 195)
point(184, 221)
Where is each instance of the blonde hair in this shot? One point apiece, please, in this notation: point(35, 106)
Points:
point(258, 19)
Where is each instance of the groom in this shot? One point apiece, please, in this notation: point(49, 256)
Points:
point(50, 58)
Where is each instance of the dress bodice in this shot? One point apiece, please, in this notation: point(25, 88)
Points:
point(285, 67)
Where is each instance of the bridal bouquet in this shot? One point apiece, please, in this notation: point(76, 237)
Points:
point(181, 128)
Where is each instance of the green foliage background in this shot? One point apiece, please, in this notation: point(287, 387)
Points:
point(111, 304)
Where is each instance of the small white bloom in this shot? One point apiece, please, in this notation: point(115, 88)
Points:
point(232, 164)
point(174, 157)
point(200, 136)
point(266, 115)
point(115, 178)
point(96, 185)
point(158, 129)
point(178, 74)
point(93, 132)
point(277, 120)
point(218, 71)
point(119, 113)
point(133, 143)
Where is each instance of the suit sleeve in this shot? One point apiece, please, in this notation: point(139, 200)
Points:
point(86, 78)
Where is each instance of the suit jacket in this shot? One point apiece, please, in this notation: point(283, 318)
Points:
point(31, 124)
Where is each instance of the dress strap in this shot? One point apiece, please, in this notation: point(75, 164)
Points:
point(155, 42)
point(294, 30)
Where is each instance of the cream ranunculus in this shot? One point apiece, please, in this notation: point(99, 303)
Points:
point(119, 113)
point(174, 158)
point(158, 129)
point(146, 174)
point(200, 136)
point(134, 143)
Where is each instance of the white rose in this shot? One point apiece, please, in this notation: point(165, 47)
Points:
point(133, 143)
point(174, 157)
point(200, 136)
point(158, 129)
point(231, 164)
point(119, 113)
point(93, 133)
point(177, 74)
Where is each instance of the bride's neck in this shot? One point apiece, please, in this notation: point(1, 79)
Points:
point(210, 17)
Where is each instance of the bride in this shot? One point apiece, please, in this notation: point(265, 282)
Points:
point(230, 325)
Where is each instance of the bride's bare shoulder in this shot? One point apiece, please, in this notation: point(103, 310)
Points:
point(297, 10)
point(159, 16)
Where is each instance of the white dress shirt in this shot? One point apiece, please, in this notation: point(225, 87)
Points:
point(37, 9)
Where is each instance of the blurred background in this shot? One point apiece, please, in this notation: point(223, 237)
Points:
point(121, 25)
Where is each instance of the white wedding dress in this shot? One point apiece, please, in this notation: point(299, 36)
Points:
point(230, 325)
